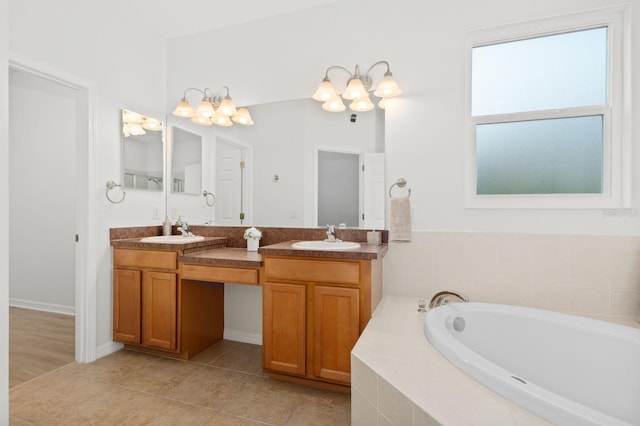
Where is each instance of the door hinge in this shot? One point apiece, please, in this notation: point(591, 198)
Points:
point(242, 164)
point(77, 238)
point(362, 216)
point(363, 167)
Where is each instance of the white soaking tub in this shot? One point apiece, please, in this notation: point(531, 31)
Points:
point(567, 369)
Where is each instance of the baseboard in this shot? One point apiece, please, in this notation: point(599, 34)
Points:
point(108, 349)
point(40, 306)
point(241, 336)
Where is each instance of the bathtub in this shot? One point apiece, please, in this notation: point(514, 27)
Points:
point(567, 369)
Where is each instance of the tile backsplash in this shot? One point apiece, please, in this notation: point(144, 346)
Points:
point(597, 276)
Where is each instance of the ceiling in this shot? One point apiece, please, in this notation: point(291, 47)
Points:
point(170, 18)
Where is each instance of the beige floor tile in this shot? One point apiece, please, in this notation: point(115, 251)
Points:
point(221, 419)
point(213, 352)
point(322, 408)
point(159, 376)
point(170, 413)
point(211, 387)
point(113, 368)
point(265, 400)
point(112, 406)
point(242, 357)
point(51, 396)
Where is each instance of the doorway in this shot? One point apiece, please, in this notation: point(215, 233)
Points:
point(51, 207)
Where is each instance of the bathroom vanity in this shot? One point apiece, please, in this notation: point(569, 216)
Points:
point(169, 298)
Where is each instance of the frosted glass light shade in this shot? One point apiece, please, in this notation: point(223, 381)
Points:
point(151, 124)
point(334, 104)
point(202, 121)
point(325, 91)
point(242, 117)
point(131, 117)
point(355, 89)
point(205, 109)
point(136, 129)
point(184, 109)
point(383, 103)
point(221, 119)
point(227, 107)
point(362, 104)
point(387, 88)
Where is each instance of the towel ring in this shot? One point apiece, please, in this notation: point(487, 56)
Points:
point(206, 195)
point(110, 185)
point(401, 184)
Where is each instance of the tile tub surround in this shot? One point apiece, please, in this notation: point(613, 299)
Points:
point(589, 275)
point(399, 378)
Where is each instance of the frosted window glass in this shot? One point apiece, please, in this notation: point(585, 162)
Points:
point(556, 71)
point(557, 156)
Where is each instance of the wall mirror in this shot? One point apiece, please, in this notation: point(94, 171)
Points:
point(142, 151)
point(186, 161)
point(275, 162)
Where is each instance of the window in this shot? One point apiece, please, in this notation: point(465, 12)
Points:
point(546, 118)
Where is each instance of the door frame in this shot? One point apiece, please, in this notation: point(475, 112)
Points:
point(85, 208)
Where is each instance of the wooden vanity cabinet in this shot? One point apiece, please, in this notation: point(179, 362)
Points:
point(314, 310)
point(145, 298)
point(147, 304)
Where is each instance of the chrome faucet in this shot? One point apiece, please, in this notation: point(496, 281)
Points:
point(183, 227)
point(331, 234)
point(444, 297)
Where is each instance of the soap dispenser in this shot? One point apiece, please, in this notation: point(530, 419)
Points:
point(166, 226)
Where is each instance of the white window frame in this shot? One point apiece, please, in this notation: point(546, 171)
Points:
point(617, 112)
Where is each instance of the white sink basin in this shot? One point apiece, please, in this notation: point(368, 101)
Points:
point(325, 245)
point(172, 239)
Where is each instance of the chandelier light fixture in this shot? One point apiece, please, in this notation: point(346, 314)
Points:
point(213, 109)
point(357, 91)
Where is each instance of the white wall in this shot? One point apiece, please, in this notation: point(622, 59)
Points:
point(424, 43)
point(42, 204)
point(86, 42)
point(4, 212)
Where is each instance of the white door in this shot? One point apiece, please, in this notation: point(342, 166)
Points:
point(231, 184)
point(373, 192)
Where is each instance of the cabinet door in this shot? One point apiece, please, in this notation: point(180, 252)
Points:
point(127, 287)
point(159, 310)
point(284, 327)
point(335, 331)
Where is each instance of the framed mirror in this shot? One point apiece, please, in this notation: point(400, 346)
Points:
point(186, 161)
point(142, 151)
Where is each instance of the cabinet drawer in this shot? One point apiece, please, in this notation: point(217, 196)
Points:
point(220, 274)
point(326, 271)
point(154, 259)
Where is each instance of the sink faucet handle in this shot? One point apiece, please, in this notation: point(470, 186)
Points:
point(331, 233)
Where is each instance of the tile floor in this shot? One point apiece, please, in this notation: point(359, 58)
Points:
point(223, 385)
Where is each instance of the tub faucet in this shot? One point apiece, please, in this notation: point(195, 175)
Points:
point(331, 234)
point(183, 227)
point(444, 297)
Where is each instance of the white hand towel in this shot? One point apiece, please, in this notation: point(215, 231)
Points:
point(400, 229)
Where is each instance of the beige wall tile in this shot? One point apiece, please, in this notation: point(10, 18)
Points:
point(590, 301)
point(363, 413)
point(625, 304)
point(590, 267)
point(625, 269)
point(364, 380)
point(394, 405)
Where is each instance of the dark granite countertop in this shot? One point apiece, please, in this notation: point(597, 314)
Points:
point(364, 252)
point(136, 243)
point(223, 256)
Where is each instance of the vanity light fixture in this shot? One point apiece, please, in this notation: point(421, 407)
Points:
point(357, 90)
point(213, 109)
point(134, 124)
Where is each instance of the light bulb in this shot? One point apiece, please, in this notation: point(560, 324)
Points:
point(355, 89)
point(334, 104)
point(325, 91)
point(183, 109)
point(387, 88)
